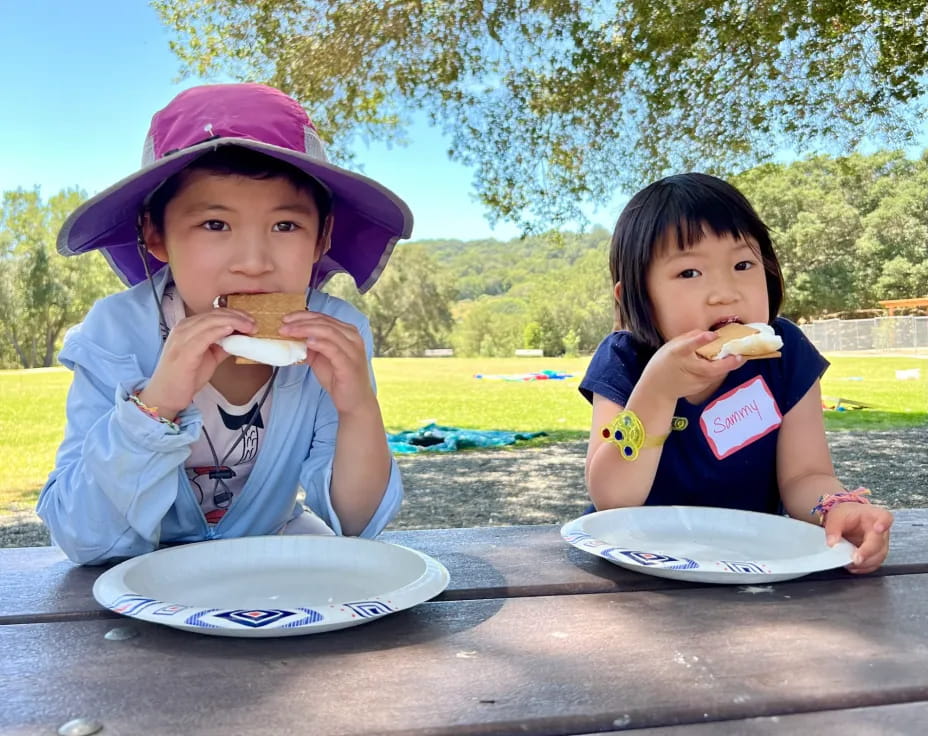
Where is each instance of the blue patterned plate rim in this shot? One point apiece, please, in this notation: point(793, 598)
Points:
point(126, 590)
point(621, 537)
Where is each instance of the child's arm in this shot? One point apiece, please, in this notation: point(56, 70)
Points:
point(363, 469)
point(805, 473)
point(116, 473)
point(673, 372)
point(118, 470)
point(612, 481)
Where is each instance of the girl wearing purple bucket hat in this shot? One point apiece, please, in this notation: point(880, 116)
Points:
point(169, 440)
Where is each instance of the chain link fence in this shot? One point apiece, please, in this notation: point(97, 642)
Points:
point(881, 334)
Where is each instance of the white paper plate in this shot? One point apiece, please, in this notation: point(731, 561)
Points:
point(708, 545)
point(271, 586)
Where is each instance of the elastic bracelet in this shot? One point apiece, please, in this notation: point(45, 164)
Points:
point(827, 502)
point(152, 411)
point(627, 433)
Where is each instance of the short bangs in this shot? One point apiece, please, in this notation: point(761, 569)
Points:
point(238, 161)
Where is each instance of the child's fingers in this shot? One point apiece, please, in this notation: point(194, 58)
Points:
point(332, 351)
point(870, 555)
point(215, 320)
point(345, 353)
point(865, 566)
point(328, 337)
point(872, 543)
point(315, 318)
point(303, 324)
point(836, 528)
point(218, 352)
point(208, 328)
point(728, 363)
point(883, 521)
point(242, 321)
point(690, 341)
point(203, 337)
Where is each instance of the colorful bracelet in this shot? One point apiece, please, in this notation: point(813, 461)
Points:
point(827, 502)
point(152, 411)
point(627, 433)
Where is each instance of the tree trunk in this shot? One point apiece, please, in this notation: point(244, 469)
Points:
point(18, 348)
point(51, 337)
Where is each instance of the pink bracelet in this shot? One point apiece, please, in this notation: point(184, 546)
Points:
point(152, 411)
point(828, 502)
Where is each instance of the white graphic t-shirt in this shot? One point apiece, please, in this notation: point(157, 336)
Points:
point(216, 479)
point(215, 482)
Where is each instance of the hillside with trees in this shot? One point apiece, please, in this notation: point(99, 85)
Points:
point(849, 232)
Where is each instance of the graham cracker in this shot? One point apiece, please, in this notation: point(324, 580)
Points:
point(267, 309)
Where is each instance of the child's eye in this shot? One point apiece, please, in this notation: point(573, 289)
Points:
point(744, 265)
point(286, 226)
point(215, 225)
point(688, 273)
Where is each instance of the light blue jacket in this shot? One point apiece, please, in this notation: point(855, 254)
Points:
point(119, 488)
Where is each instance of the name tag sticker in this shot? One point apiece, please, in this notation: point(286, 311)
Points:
point(740, 417)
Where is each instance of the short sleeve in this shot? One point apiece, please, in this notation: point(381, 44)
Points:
point(614, 369)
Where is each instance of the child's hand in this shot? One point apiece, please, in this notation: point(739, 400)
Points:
point(335, 352)
point(678, 371)
point(190, 357)
point(863, 525)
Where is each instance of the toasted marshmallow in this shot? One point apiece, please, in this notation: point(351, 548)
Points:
point(753, 340)
point(264, 350)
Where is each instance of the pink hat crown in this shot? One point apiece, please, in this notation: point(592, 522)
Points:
point(246, 111)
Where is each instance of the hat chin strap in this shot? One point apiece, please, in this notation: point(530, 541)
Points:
point(143, 255)
point(326, 235)
point(222, 498)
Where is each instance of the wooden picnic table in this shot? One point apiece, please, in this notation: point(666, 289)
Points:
point(531, 637)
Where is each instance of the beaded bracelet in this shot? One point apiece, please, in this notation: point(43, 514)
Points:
point(152, 411)
point(827, 502)
point(627, 433)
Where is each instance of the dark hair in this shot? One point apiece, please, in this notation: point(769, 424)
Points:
point(238, 161)
point(679, 209)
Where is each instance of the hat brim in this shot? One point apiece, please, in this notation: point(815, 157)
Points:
point(368, 217)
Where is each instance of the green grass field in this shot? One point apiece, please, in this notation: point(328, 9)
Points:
point(414, 391)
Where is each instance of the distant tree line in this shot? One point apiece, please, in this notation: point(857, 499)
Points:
point(41, 292)
point(849, 232)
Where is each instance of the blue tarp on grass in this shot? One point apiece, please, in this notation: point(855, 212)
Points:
point(435, 438)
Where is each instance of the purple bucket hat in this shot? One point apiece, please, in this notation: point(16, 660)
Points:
point(369, 218)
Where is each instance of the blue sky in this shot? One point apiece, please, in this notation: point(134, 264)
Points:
point(90, 74)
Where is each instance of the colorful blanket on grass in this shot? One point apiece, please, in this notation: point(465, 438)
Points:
point(537, 376)
point(435, 438)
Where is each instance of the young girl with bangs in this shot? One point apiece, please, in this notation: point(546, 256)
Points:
point(689, 254)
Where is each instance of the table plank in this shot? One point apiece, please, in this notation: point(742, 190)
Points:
point(904, 718)
point(40, 584)
point(543, 665)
